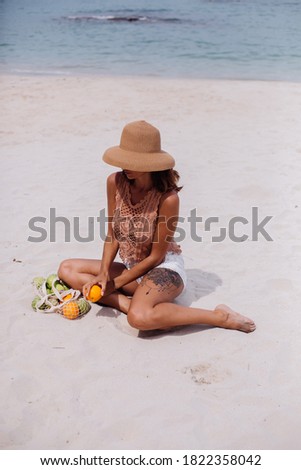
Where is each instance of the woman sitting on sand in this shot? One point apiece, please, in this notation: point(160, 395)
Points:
point(143, 205)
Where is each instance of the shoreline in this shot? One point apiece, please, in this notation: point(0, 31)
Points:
point(99, 75)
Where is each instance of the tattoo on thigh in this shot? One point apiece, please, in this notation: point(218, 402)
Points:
point(162, 279)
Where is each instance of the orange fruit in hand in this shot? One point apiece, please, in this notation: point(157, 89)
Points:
point(95, 293)
point(71, 310)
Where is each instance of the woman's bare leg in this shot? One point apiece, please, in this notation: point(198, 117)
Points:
point(152, 307)
point(77, 272)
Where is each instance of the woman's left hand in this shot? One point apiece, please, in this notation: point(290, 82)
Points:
point(110, 287)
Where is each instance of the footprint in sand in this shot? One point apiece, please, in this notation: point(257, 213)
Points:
point(205, 374)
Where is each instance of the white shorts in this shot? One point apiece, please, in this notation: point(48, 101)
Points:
point(174, 262)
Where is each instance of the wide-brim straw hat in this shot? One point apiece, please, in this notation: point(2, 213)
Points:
point(139, 149)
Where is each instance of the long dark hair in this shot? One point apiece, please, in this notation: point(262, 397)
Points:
point(166, 180)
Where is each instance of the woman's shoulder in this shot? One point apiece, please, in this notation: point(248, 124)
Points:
point(113, 179)
point(170, 196)
point(169, 200)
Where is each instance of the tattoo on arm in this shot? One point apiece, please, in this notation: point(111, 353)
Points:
point(161, 279)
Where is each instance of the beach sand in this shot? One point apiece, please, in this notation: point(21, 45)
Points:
point(97, 383)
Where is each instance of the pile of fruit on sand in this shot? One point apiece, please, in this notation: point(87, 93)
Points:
point(53, 296)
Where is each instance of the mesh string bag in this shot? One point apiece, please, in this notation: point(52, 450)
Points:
point(52, 296)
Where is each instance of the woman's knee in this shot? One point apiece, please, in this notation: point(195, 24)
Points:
point(141, 318)
point(65, 268)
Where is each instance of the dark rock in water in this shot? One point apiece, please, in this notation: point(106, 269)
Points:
point(124, 18)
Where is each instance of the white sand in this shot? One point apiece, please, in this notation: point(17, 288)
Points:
point(96, 383)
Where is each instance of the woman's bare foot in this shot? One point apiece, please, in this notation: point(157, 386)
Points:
point(116, 300)
point(233, 320)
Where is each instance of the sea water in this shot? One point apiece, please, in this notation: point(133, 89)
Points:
point(233, 39)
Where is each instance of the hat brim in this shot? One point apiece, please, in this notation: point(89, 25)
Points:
point(135, 161)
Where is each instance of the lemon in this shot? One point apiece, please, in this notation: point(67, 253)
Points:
point(35, 301)
point(49, 280)
point(38, 281)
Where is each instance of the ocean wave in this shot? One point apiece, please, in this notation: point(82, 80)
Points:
point(35, 71)
point(121, 18)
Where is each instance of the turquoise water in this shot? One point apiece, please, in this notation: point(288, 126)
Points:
point(247, 39)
